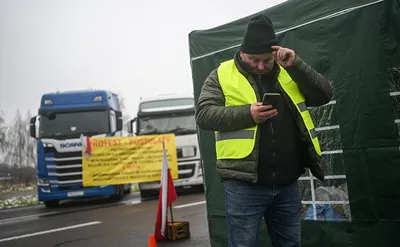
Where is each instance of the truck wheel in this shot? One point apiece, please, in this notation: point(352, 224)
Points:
point(52, 203)
point(119, 195)
point(128, 191)
point(148, 194)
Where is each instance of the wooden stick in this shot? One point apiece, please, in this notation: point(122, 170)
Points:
point(172, 216)
point(172, 221)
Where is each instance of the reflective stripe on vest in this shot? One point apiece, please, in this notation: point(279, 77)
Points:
point(238, 91)
point(297, 97)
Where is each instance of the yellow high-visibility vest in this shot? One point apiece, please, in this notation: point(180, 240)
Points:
point(237, 90)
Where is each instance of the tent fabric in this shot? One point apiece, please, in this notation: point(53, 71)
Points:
point(285, 16)
point(355, 44)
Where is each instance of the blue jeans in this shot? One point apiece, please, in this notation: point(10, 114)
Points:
point(246, 204)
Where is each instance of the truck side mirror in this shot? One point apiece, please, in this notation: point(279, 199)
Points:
point(32, 127)
point(119, 120)
point(130, 125)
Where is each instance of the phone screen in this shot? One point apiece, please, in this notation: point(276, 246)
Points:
point(273, 99)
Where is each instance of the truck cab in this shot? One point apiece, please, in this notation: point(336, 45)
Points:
point(166, 114)
point(62, 118)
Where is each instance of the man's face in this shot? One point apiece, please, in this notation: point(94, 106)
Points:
point(258, 64)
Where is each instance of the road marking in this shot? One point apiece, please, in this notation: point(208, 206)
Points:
point(50, 231)
point(33, 216)
point(190, 204)
point(132, 202)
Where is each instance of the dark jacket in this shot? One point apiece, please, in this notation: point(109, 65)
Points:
point(211, 114)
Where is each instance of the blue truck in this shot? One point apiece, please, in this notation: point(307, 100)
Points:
point(62, 118)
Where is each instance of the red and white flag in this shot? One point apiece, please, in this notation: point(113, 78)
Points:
point(166, 197)
point(85, 140)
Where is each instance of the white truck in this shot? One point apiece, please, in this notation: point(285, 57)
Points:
point(171, 113)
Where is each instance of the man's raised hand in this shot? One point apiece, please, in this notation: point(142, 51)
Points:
point(284, 56)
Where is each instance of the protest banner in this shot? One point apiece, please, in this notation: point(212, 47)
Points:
point(122, 160)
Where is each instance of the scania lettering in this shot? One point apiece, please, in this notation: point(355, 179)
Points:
point(171, 114)
point(67, 145)
point(62, 119)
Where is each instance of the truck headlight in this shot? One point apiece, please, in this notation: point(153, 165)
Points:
point(43, 182)
point(47, 145)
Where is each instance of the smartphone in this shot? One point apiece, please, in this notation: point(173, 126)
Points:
point(273, 99)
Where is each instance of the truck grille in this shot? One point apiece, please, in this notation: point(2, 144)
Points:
point(180, 155)
point(186, 168)
point(69, 178)
point(65, 167)
point(68, 170)
point(67, 155)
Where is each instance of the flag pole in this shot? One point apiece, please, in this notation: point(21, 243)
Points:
point(172, 223)
point(170, 206)
point(169, 193)
point(172, 215)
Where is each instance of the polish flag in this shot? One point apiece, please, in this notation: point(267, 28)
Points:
point(85, 140)
point(166, 197)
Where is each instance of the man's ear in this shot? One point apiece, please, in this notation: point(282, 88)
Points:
point(241, 55)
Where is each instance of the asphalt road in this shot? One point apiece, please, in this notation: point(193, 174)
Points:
point(101, 223)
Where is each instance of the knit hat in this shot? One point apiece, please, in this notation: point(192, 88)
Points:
point(259, 36)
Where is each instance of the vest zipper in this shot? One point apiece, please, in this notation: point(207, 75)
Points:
point(273, 150)
point(265, 90)
point(259, 85)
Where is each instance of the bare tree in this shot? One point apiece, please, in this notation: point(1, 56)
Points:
point(17, 143)
point(3, 132)
point(30, 148)
point(20, 151)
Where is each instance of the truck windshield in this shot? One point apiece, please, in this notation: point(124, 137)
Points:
point(73, 124)
point(180, 125)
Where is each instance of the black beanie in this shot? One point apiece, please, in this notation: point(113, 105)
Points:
point(259, 36)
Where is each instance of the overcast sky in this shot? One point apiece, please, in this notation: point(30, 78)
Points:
point(135, 48)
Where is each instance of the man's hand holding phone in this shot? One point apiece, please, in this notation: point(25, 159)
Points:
point(262, 113)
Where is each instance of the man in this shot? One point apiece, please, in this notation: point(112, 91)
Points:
point(263, 149)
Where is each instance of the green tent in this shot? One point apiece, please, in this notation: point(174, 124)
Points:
point(355, 44)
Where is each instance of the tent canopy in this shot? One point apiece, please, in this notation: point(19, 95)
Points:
point(355, 44)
